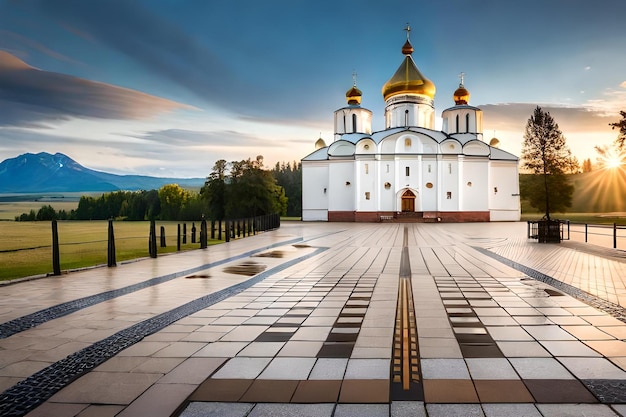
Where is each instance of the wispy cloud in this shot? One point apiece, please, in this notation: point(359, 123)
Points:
point(33, 97)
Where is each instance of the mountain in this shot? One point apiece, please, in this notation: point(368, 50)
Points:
point(43, 172)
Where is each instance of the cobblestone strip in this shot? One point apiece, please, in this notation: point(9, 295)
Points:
point(36, 389)
point(608, 307)
point(29, 321)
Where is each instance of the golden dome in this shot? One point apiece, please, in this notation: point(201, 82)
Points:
point(408, 79)
point(319, 144)
point(353, 95)
point(461, 95)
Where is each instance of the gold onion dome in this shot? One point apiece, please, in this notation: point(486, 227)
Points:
point(461, 95)
point(408, 79)
point(354, 95)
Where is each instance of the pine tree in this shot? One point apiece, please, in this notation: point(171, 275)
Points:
point(621, 126)
point(546, 155)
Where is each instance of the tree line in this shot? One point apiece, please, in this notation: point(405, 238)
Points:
point(233, 190)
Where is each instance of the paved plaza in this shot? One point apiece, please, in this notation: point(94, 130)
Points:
point(327, 319)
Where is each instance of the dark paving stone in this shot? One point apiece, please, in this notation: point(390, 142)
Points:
point(336, 350)
point(607, 390)
point(362, 391)
point(317, 391)
point(480, 350)
point(502, 391)
point(227, 390)
point(342, 337)
point(559, 391)
point(270, 391)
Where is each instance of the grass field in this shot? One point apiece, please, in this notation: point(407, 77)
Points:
point(26, 247)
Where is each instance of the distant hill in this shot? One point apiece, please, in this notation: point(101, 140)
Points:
point(43, 172)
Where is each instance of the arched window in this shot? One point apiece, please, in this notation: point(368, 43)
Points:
point(407, 142)
point(457, 123)
point(467, 123)
point(354, 123)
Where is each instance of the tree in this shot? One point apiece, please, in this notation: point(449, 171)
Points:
point(214, 191)
point(289, 177)
point(172, 198)
point(587, 166)
point(546, 155)
point(621, 126)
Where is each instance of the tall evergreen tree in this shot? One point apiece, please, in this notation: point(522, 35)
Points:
point(621, 126)
point(546, 155)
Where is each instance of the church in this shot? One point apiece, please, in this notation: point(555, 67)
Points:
point(409, 171)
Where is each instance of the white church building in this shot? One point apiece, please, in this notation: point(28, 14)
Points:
point(410, 171)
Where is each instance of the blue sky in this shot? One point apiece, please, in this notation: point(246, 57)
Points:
point(167, 87)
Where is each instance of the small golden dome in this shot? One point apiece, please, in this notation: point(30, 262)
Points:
point(408, 79)
point(353, 95)
point(319, 144)
point(461, 95)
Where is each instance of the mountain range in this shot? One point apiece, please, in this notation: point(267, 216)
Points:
point(43, 172)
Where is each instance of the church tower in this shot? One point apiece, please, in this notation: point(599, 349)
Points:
point(462, 118)
point(409, 95)
point(353, 118)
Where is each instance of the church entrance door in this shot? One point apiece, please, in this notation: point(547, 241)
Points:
point(408, 201)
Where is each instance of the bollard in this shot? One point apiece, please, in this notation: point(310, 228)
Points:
point(219, 230)
point(227, 227)
point(56, 263)
point(213, 229)
point(193, 232)
point(203, 234)
point(184, 233)
point(178, 238)
point(111, 246)
point(152, 247)
point(163, 237)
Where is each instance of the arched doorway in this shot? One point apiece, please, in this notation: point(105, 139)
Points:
point(408, 201)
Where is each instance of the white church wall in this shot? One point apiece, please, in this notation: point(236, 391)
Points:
point(315, 197)
point(449, 191)
point(474, 185)
point(504, 200)
point(386, 185)
point(428, 186)
point(366, 193)
point(342, 186)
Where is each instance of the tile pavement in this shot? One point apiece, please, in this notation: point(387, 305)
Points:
point(314, 337)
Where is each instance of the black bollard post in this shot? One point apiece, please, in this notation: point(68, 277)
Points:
point(203, 234)
point(184, 233)
point(213, 229)
point(152, 247)
point(111, 246)
point(227, 227)
point(238, 229)
point(178, 238)
point(219, 230)
point(163, 237)
point(56, 262)
point(193, 232)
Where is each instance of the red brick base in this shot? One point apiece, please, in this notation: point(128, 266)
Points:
point(430, 216)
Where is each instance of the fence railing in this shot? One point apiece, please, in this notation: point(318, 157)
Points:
point(607, 235)
point(222, 230)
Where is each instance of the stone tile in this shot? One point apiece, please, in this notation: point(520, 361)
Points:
point(311, 333)
point(336, 350)
point(509, 334)
point(56, 409)
point(221, 390)
point(242, 368)
point(261, 349)
point(559, 391)
point(618, 332)
point(289, 410)
point(361, 391)
point(550, 332)
point(362, 410)
point(179, 350)
point(449, 391)
point(317, 391)
point(522, 349)
point(329, 369)
point(368, 369)
point(511, 410)
point(244, 334)
point(491, 368)
point(585, 333)
point(540, 368)
point(143, 349)
point(270, 391)
point(569, 348)
point(216, 409)
point(300, 349)
point(407, 409)
point(593, 368)
point(288, 368)
point(193, 371)
point(609, 348)
point(447, 369)
point(221, 349)
point(159, 400)
point(575, 410)
point(454, 410)
point(106, 388)
point(502, 391)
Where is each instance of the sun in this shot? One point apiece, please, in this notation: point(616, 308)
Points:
point(613, 162)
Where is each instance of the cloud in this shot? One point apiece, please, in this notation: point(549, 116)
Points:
point(183, 137)
point(623, 84)
point(33, 97)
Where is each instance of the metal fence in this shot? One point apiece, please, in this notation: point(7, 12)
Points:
point(607, 235)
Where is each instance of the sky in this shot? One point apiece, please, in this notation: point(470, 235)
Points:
point(167, 87)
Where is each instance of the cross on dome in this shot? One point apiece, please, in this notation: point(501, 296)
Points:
point(462, 77)
point(408, 30)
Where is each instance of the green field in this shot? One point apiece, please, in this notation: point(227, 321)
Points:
point(26, 247)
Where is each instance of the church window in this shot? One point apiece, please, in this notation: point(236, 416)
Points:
point(387, 168)
point(367, 195)
point(354, 123)
point(367, 171)
point(407, 142)
point(406, 117)
point(429, 185)
point(457, 123)
point(407, 171)
point(449, 195)
point(467, 123)
point(449, 168)
point(429, 167)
